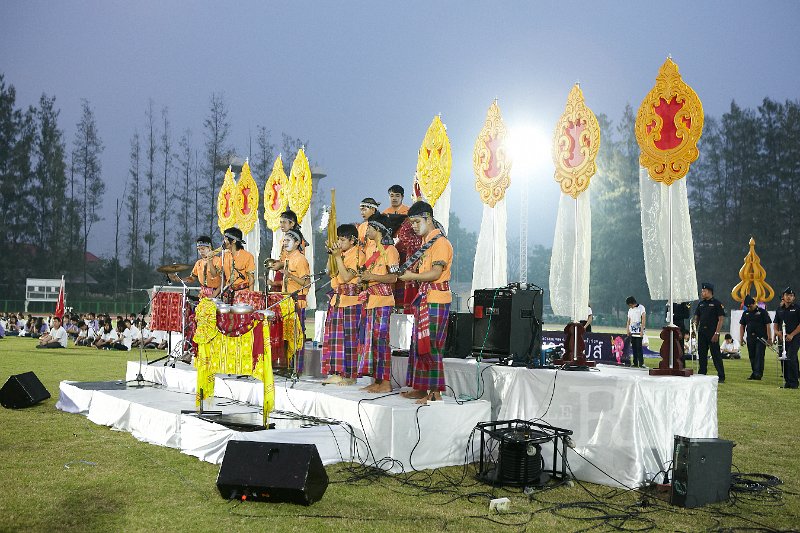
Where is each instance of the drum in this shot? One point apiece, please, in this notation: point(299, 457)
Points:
point(254, 299)
point(167, 308)
point(276, 331)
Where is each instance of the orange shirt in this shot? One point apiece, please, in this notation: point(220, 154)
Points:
point(243, 264)
point(350, 260)
point(386, 263)
point(402, 209)
point(298, 267)
point(201, 272)
point(440, 253)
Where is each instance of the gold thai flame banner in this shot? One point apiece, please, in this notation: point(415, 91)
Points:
point(275, 195)
point(226, 202)
point(753, 275)
point(490, 159)
point(668, 126)
point(300, 185)
point(333, 269)
point(576, 142)
point(247, 197)
point(435, 161)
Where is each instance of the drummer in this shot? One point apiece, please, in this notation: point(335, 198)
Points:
point(203, 269)
point(296, 277)
point(239, 266)
point(288, 221)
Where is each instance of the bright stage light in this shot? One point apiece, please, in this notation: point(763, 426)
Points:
point(529, 149)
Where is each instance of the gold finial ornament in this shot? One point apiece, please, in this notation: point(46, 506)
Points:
point(300, 185)
point(276, 196)
point(226, 202)
point(435, 161)
point(576, 142)
point(490, 160)
point(753, 275)
point(247, 199)
point(668, 126)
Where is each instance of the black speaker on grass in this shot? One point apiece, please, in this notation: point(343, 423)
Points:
point(22, 390)
point(701, 471)
point(272, 472)
point(508, 323)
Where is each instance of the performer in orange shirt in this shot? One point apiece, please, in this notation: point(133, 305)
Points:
point(340, 341)
point(203, 269)
point(296, 275)
point(367, 208)
point(379, 272)
point(435, 258)
point(396, 205)
point(288, 221)
point(238, 265)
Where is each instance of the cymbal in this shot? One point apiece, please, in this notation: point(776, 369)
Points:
point(174, 268)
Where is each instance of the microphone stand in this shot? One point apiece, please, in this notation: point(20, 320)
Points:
point(139, 379)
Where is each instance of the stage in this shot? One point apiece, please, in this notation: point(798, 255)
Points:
point(623, 419)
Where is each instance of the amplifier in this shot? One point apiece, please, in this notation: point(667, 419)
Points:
point(508, 323)
point(701, 471)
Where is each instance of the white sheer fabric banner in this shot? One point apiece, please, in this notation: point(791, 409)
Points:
point(441, 211)
point(307, 227)
point(564, 298)
point(253, 245)
point(655, 239)
point(491, 254)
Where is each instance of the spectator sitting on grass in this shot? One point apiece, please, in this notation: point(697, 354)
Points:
point(56, 338)
point(107, 337)
point(730, 348)
point(123, 341)
point(85, 336)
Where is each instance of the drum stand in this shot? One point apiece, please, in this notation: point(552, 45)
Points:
point(180, 350)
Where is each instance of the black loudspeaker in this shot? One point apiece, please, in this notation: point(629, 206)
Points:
point(273, 472)
point(508, 323)
point(459, 335)
point(22, 390)
point(701, 471)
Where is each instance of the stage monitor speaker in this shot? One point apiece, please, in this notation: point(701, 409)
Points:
point(701, 471)
point(22, 390)
point(508, 323)
point(273, 472)
point(459, 335)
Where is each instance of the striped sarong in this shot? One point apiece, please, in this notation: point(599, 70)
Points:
point(427, 374)
point(340, 342)
point(374, 353)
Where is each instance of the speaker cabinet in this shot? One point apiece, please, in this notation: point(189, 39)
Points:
point(701, 471)
point(508, 323)
point(273, 472)
point(22, 390)
point(459, 335)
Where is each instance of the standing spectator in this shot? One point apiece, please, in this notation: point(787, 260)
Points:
point(788, 316)
point(56, 338)
point(755, 322)
point(637, 320)
point(708, 316)
point(587, 324)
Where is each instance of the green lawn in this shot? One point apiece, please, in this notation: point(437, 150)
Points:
point(126, 485)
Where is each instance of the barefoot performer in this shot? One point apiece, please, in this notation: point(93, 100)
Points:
point(340, 341)
point(378, 274)
point(432, 306)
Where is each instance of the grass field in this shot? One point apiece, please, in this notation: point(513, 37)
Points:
point(60, 472)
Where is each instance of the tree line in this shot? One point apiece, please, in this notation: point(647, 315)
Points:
point(745, 183)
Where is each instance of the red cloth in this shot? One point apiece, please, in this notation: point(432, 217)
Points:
point(423, 322)
point(167, 307)
point(235, 325)
point(258, 340)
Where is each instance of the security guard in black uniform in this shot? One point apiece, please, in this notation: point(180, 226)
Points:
point(789, 314)
point(709, 316)
point(756, 322)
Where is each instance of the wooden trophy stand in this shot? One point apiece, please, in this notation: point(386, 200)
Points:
point(574, 347)
point(671, 347)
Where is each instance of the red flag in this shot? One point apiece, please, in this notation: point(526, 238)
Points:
point(60, 304)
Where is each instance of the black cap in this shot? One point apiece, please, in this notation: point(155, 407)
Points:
point(707, 285)
point(788, 290)
point(748, 300)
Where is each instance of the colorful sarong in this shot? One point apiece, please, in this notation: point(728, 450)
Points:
point(340, 342)
point(374, 353)
point(427, 373)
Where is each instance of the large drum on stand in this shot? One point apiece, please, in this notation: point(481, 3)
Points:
point(253, 298)
point(276, 330)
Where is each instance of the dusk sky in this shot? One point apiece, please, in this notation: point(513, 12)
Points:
point(362, 80)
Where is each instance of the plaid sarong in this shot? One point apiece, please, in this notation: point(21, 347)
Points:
point(340, 342)
point(427, 373)
point(374, 353)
